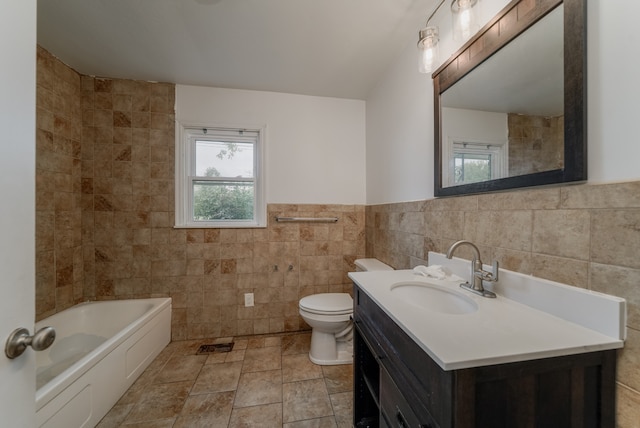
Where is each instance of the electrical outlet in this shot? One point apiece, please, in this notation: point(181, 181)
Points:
point(248, 299)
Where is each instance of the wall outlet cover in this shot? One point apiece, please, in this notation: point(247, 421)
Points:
point(248, 299)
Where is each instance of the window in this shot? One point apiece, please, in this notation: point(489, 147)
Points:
point(219, 177)
point(472, 162)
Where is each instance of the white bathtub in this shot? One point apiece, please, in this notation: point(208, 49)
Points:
point(100, 350)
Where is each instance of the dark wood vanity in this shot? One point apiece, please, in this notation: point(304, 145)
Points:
point(398, 385)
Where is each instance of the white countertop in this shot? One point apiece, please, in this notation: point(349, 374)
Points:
point(502, 330)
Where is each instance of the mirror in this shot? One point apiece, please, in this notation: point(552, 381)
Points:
point(509, 105)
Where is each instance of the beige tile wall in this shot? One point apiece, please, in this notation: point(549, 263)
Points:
point(584, 235)
point(114, 195)
point(535, 143)
point(59, 262)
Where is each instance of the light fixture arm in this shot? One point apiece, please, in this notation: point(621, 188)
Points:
point(434, 12)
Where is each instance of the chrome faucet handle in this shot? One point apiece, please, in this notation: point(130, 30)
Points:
point(496, 270)
point(489, 276)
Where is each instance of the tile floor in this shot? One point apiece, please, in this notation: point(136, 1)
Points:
point(266, 381)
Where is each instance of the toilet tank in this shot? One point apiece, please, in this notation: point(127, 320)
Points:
point(365, 265)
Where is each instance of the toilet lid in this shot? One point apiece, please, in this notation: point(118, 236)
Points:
point(328, 303)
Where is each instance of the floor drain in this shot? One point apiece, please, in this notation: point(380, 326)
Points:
point(218, 347)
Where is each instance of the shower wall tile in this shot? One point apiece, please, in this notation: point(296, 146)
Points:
point(59, 254)
point(105, 199)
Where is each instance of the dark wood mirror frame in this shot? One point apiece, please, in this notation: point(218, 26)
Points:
point(514, 19)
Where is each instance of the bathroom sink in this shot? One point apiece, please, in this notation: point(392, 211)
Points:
point(434, 298)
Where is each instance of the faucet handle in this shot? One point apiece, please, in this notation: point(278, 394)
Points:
point(489, 276)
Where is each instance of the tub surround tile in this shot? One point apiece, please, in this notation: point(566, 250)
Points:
point(106, 154)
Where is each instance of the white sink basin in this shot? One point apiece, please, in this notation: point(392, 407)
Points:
point(434, 298)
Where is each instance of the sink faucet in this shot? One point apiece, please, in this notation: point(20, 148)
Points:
point(477, 273)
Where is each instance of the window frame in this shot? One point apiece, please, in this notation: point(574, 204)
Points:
point(499, 152)
point(186, 136)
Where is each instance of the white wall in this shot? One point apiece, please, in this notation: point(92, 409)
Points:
point(400, 109)
point(614, 90)
point(315, 146)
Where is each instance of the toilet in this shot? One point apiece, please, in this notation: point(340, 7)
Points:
point(329, 315)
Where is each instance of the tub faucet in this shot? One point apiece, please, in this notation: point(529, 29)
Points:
point(477, 273)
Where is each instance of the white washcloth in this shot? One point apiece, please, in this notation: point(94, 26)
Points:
point(436, 272)
point(433, 271)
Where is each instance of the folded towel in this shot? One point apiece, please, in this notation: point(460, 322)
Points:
point(433, 271)
point(436, 272)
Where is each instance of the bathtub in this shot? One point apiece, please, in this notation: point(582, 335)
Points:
point(100, 350)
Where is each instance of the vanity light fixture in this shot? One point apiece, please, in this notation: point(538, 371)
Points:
point(428, 45)
point(464, 17)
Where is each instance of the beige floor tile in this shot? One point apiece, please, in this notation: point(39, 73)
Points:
point(296, 344)
point(338, 378)
point(267, 416)
point(255, 342)
point(217, 358)
point(160, 423)
point(161, 401)
point(181, 367)
point(342, 404)
point(115, 416)
point(272, 341)
point(272, 381)
point(297, 367)
point(240, 344)
point(206, 410)
point(307, 399)
point(326, 422)
point(261, 359)
point(217, 378)
point(235, 355)
point(185, 347)
point(257, 388)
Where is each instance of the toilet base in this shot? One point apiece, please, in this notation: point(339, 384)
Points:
point(327, 351)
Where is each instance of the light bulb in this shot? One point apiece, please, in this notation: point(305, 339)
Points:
point(428, 50)
point(464, 19)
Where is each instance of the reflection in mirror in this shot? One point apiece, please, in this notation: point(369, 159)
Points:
point(506, 117)
point(510, 104)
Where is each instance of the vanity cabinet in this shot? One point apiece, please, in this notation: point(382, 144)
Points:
point(398, 385)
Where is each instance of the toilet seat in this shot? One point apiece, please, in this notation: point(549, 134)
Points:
point(327, 304)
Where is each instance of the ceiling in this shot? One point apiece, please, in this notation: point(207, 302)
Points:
point(334, 48)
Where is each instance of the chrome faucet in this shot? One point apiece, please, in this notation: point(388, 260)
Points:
point(477, 273)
